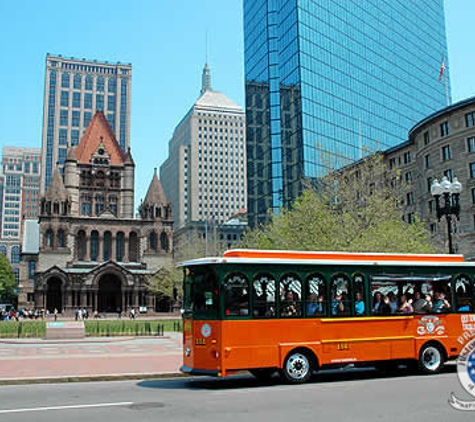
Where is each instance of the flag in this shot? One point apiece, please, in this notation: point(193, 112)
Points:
point(442, 70)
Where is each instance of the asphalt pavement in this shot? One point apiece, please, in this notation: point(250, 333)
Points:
point(91, 359)
point(344, 396)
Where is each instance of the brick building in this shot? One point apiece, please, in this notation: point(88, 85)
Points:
point(92, 252)
point(442, 144)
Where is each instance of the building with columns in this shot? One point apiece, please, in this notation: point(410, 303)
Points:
point(93, 253)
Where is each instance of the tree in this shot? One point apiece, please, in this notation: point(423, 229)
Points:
point(191, 248)
point(7, 279)
point(165, 280)
point(357, 209)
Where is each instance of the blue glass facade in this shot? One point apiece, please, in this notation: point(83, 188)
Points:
point(327, 81)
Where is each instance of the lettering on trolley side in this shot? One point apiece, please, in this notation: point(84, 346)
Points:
point(200, 342)
point(343, 346)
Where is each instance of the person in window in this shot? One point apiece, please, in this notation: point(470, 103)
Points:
point(420, 304)
point(243, 305)
point(385, 307)
point(315, 305)
point(337, 304)
point(393, 304)
point(312, 305)
point(377, 303)
point(465, 306)
point(441, 304)
point(359, 304)
point(289, 307)
point(406, 307)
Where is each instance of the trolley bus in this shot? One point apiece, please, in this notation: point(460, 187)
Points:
point(297, 312)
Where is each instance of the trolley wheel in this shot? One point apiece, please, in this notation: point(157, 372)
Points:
point(431, 358)
point(297, 367)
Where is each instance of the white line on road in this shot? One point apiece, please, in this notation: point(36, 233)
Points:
point(76, 406)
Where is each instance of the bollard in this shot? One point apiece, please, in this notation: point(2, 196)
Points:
point(19, 329)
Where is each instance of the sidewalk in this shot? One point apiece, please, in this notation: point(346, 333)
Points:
point(92, 359)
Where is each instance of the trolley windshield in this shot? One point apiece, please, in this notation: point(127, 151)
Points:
point(200, 289)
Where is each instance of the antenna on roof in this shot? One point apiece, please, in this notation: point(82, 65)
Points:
point(206, 46)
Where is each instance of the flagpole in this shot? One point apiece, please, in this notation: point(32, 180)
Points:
point(447, 94)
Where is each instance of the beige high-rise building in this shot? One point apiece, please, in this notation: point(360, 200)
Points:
point(204, 175)
point(74, 90)
point(19, 189)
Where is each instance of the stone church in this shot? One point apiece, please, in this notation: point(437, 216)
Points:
point(91, 251)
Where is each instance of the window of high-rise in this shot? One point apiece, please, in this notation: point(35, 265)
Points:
point(329, 81)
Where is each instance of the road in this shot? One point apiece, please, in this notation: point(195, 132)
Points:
point(338, 396)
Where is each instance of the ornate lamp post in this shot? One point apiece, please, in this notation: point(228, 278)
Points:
point(450, 192)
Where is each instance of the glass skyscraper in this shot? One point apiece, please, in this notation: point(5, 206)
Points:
point(74, 90)
point(328, 81)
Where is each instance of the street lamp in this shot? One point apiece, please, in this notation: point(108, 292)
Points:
point(450, 191)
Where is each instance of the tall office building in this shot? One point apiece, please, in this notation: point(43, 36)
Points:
point(19, 196)
point(74, 90)
point(327, 81)
point(204, 175)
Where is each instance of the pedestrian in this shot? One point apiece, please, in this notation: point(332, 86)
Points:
point(55, 314)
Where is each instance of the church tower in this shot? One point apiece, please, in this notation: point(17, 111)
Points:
point(158, 210)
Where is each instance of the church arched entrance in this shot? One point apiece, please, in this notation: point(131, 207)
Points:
point(54, 295)
point(110, 293)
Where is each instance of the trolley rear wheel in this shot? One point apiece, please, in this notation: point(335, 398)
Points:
point(297, 367)
point(431, 358)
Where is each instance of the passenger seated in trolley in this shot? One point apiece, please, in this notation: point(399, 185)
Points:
point(441, 304)
point(377, 303)
point(465, 306)
point(359, 304)
point(421, 305)
point(405, 307)
point(289, 306)
point(337, 304)
point(314, 305)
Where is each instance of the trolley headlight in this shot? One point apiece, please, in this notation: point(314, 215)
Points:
point(187, 352)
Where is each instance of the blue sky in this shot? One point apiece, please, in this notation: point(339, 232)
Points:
point(166, 43)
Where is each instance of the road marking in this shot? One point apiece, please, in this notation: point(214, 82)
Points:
point(76, 406)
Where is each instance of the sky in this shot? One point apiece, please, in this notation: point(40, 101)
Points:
point(168, 43)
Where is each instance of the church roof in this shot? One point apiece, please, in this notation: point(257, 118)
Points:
point(155, 193)
point(56, 189)
point(99, 133)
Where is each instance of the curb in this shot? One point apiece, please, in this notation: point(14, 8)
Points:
point(110, 339)
point(91, 378)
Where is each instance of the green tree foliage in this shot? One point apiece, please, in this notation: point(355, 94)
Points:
point(164, 280)
point(358, 209)
point(194, 247)
point(7, 279)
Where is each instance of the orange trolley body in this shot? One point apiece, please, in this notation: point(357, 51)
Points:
point(219, 339)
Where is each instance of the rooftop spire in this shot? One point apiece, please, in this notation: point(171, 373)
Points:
point(206, 80)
